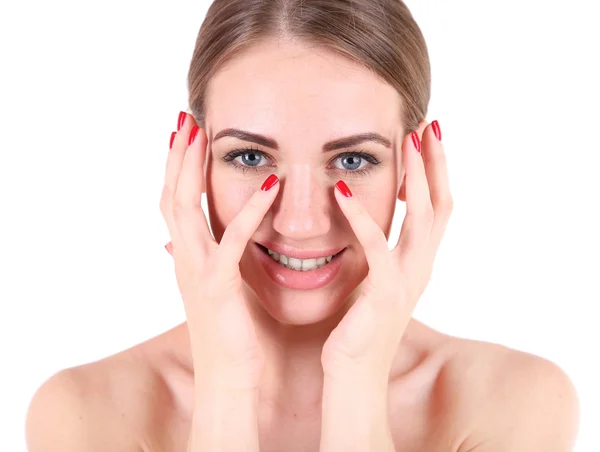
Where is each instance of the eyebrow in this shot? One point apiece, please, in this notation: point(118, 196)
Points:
point(339, 143)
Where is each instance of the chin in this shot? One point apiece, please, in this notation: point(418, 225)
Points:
point(295, 297)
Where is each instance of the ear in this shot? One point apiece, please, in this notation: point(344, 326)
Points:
point(402, 192)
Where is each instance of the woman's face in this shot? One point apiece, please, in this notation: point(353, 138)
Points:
point(301, 99)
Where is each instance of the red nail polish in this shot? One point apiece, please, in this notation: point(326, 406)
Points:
point(436, 129)
point(269, 183)
point(181, 120)
point(173, 134)
point(343, 188)
point(416, 141)
point(193, 134)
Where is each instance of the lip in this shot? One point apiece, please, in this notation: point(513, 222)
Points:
point(300, 254)
point(299, 280)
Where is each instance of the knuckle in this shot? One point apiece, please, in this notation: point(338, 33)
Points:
point(165, 200)
point(446, 206)
point(181, 210)
point(253, 206)
point(184, 204)
point(164, 208)
point(177, 209)
point(360, 213)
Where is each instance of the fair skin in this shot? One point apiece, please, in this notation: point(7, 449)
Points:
point(343, 367)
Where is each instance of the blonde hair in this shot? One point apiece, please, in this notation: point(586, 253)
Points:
point(381, 35)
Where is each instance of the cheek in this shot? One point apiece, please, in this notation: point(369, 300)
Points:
point(380, 202)
point(226, 198)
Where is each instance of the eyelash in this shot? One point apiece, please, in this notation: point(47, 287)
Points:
point(231, 156)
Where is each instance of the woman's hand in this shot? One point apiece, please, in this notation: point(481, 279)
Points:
point(358, 355)
point(223, 339)
point(226, 356)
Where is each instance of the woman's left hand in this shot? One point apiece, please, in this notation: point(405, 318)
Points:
point(366, 340)
point(358, 355)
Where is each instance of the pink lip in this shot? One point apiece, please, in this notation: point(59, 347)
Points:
point(300, 254)
point(299, 280)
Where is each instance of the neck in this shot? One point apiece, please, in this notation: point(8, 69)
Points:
point(292, 382)
point(293, 376)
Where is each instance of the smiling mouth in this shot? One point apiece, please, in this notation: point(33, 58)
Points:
point(303, 265)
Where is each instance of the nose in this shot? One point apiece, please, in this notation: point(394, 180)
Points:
point(301, 210)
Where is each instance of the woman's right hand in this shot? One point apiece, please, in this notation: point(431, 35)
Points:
point(222, 335)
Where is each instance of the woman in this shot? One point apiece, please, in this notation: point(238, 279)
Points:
point(307, 124)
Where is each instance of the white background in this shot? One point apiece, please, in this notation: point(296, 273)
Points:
point(89, 95)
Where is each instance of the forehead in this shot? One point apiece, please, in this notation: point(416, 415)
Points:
point(285, 86)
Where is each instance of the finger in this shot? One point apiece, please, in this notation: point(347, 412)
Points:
point(368, 233)
point(436, 169)
point(416, 228)
point(173, 167)
point(187, 209)
point(242, 227)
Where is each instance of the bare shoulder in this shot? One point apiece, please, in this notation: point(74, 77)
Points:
point(99, 406)
point(513, 400)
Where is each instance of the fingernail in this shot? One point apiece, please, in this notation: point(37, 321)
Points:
point(193, 134)
point(173, 134)
point(269, 183)
point(181, 120)
point(436, 129)
point(416, 141)
point(343, 188)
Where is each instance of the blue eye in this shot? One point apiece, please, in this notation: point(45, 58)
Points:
point(251, 158)
point(246, 159)
point(356, 163)
point(351, 162)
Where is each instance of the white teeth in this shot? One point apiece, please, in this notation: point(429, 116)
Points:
point(294, 263)
point(300, 264)
point(309, 264)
